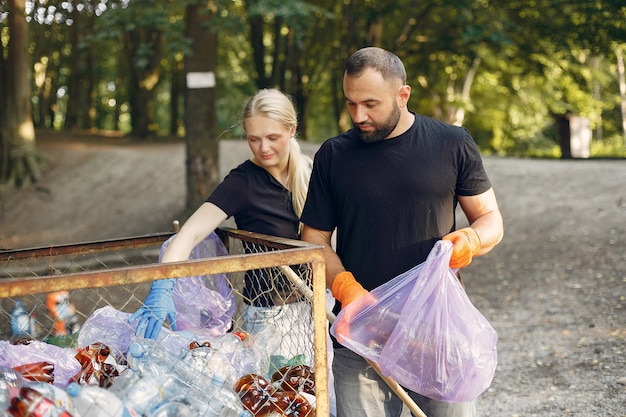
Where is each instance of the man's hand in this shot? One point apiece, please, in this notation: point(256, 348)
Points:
point(466, 244)
point(158, 306)
point(346, 289)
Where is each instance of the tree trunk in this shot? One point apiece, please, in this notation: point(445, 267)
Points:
point(18, 161)
point(622, 89)
point(255, 24)
point(200, 112)
point(175, 95)
point(564, 134)
point(143, 79)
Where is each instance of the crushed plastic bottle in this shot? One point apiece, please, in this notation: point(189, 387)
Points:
point(209, 395)
point(224, 403)
point(172, 408)
point(208, 361)
point(42, 371)
point(95, 401)
point(141, 391)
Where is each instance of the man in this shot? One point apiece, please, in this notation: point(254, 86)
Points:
point(389, 186)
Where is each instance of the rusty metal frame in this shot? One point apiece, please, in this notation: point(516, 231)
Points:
point(289, 252)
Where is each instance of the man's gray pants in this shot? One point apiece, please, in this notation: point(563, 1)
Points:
point(361, 392)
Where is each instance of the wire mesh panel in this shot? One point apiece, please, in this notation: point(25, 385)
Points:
point(250, 309)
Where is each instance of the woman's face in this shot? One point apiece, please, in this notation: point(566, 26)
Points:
point(268, 141)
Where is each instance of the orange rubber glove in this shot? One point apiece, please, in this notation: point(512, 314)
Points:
point(346, 289)
point(466, 244)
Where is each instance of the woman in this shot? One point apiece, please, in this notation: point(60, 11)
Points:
point(264, 194)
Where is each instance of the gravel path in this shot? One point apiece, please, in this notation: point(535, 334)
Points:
point(555, 289)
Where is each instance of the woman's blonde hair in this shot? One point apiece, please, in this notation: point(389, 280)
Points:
point(277, 106)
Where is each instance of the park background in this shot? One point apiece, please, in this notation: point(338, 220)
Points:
point(100, 136)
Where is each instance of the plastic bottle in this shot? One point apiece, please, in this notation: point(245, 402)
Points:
point(10, 383)
point(141, 391)
point(94, 401)
point(241, 352)
point(58, 396)
point(148, 357)
point(22, 323)
point(31, 403)
point(224, 402)
point(41, 371)
point(208, 361)
point(173, 408)
point(208, 395)
point(63, 313)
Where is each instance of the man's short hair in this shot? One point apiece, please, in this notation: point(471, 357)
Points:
point(383, 61)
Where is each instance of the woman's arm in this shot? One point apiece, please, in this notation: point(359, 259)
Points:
point(201, 223)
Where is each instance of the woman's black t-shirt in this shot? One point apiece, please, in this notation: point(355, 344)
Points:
point(259, 204)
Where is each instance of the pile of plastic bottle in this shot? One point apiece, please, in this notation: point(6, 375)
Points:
point(230, 375)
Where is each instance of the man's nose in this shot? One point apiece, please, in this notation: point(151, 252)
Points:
point(360, 114)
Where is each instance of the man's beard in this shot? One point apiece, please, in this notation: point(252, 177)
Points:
point(381, 132)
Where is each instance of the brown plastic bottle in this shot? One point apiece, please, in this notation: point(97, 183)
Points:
point(30, 403)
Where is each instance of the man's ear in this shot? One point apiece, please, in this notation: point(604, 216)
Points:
point(403, 95)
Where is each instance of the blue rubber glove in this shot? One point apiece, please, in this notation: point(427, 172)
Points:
point(158, 306)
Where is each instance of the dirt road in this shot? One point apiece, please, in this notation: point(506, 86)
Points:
point(554, 289)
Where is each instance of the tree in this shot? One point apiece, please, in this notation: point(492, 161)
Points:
point(18, 162)
point(285, 61)
point(200, 112)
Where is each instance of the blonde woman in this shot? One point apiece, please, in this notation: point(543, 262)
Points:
point(264, 194)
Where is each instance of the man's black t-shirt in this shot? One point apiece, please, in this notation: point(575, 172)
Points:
point(392, 200)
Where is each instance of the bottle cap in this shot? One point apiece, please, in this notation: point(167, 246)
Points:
point(73, 389)
point(136, 350)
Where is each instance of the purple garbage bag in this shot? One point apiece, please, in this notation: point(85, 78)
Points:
point(424, 332)
point(204, 302)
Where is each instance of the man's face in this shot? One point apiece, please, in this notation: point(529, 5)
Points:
point(373, 105)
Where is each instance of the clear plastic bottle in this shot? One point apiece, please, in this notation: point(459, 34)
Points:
point(235, 355)
point(22, 323)
point(208, 361)
point(172, 408)
point(225, 402)
point(209, 395)
point(58, 396)
point(141, 391)
point(94, 401)
point(10, 383)
point(148, 357)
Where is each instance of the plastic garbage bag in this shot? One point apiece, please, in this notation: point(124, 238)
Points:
point(204, 302)
point(424, 332)
point(63, 359)
point(110, 326)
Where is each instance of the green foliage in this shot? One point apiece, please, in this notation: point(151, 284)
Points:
point(611, 147)
point(504, 69)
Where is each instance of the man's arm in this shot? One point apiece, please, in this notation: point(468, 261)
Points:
point(344, 287)
point(323, 238)
point(484, 217)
